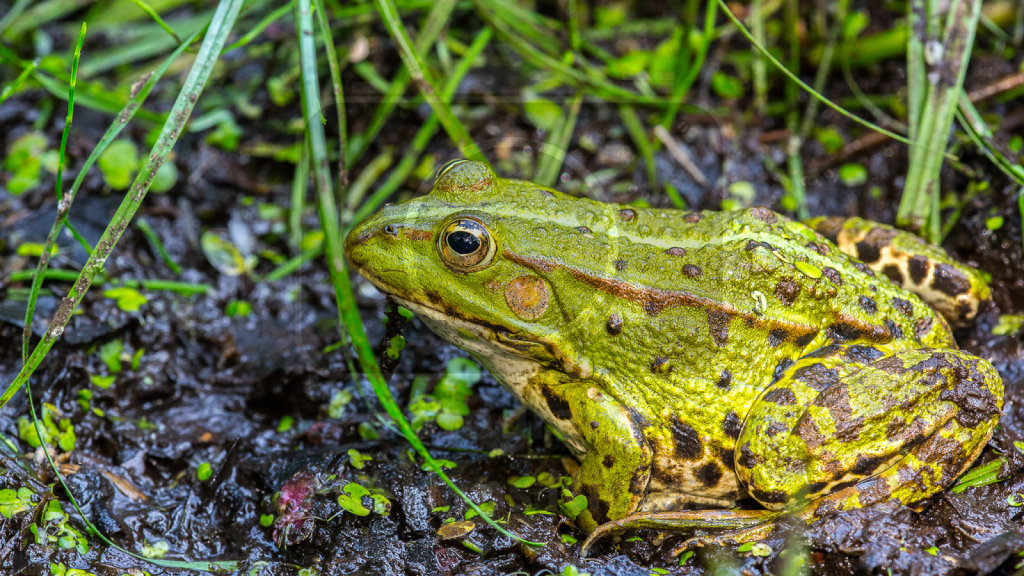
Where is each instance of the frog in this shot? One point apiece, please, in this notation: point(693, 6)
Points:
point(694, 360)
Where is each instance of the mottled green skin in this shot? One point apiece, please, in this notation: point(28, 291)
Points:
point(693, 358)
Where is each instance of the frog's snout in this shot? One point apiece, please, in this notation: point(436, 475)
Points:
point(356, 243)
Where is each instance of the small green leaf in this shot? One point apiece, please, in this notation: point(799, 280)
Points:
point(128, 299)
point(157, 549)
point(726, 86)
point(238, 308)
point(853, 174)
point(541, 112)
point(381, 504)
point(487, 507)
point(110, 353)
point(204, 471)
point(522, 481)
point(567, 539)
point(449, 421)
point(685, 556)
point(572, 508)
point(35, 249)
point(629, 65)
point(932, 550)
point(225, 256)
point(102, 381)
point(286, 423)
point(24, 162)
point(994, 223)
point(352, 499)
point(357, 459)
point(118, 163)
point(266, 520)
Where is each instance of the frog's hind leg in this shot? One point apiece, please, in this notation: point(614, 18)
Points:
point(950, 287)
point(849, 425)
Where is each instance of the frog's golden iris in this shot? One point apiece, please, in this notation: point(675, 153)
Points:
point(692, 359)
point(465, 245)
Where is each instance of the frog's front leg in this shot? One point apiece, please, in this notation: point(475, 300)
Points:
point(614, 472)
point(852, 425)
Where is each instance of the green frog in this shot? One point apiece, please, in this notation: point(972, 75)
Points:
point(693, 359)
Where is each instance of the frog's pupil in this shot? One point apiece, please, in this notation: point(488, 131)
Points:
point(463, 242)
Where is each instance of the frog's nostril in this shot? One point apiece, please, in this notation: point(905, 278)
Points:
point(391, 230)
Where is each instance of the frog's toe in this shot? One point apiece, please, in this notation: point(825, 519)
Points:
point(748, 524)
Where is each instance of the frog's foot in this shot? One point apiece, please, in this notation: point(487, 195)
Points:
point(847, 426)
point(950, 287)
point(730, 525)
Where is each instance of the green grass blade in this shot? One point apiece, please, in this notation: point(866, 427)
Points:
point(13, 86)
point(30, 309)
point(456, 131)
point(65, 201)
point(439, 14)
point(339, 93)
point(209, 52)
point(557, 143)
point(258, 29)
point(156, 18)
point(918, 207)
point(974, 125)
point(426, 132)
point(775, 62)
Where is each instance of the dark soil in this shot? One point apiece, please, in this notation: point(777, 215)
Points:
point(216, 389)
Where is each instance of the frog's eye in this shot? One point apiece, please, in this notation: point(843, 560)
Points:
point(452, 164)
point(465, 245)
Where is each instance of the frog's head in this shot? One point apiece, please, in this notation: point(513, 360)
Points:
point(460, 257)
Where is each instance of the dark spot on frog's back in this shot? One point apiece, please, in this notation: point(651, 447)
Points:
point(867, 252)
point(780, 396)
point(777, 336)
point(755, 244)
point(917, 266)
point(660, 365)
point(728, 457)
point(725, 380)
point(688, 444)
point(949, 280)
point(627, 214)
point(747, 457)
point(866, 465)
point(863, 354)
point(894, 274)
point(787, 290)
point(608, 461)
point(691, 217)
point(620, 265)
point(816, 376)
point(556, 404)
point(732, 425)
point(718, 326)
point(614, 325)
point(772, 497)
point(675, 251)
point(894, 329)
point(692, 270)
point(709, 474)
point(904, 306)
point(867, 304)
point(833, 275)
point(763, 214)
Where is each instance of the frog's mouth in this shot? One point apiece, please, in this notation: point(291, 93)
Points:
point(475, 337)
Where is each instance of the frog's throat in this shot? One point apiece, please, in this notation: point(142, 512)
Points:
point(519, 373)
